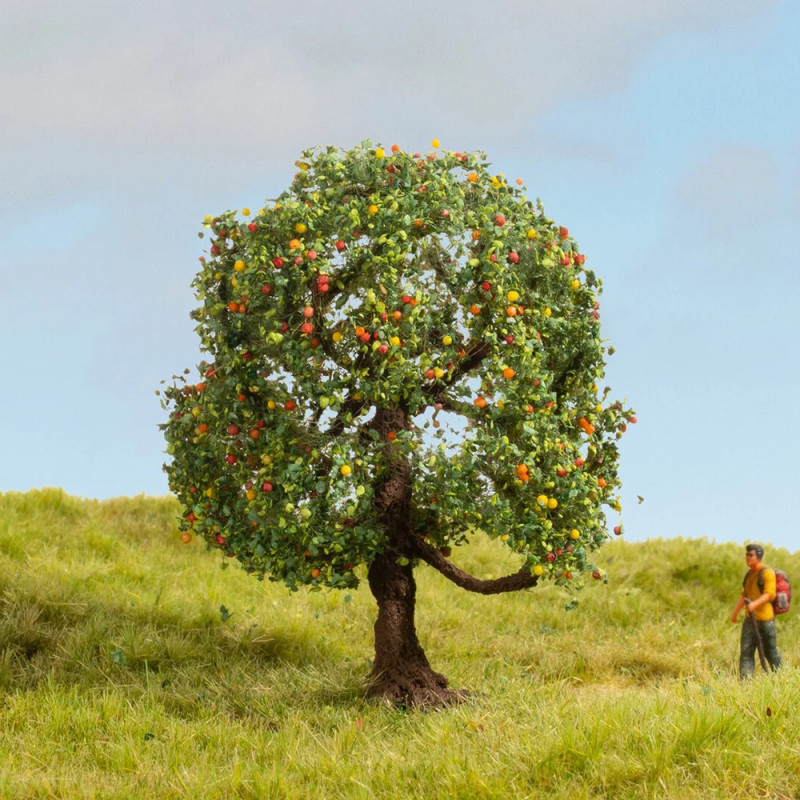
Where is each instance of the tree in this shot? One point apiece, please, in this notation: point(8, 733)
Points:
point(404, 352)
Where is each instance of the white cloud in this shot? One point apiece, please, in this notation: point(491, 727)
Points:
point(227, 81)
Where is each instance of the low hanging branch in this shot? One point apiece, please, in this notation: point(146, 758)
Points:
point(510, 583)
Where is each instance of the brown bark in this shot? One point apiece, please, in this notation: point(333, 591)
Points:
point(401, 674)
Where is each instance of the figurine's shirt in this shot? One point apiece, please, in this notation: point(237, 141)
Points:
point(752, 592)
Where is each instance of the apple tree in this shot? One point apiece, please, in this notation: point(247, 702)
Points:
point(403, 353)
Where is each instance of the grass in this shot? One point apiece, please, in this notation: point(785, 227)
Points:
point(134, 666)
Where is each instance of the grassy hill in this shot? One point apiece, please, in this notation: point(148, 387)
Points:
point(132, 665)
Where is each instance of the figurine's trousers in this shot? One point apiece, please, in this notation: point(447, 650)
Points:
point(748, 646)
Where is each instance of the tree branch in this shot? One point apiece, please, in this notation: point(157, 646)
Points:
point(350, 405)
point(475, 353)
point(510, 583)
point(560, 383)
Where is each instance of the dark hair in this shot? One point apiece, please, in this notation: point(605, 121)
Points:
point(755, 548)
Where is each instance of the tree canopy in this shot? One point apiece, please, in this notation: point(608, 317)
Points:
point(396, 334)
point(384, 280)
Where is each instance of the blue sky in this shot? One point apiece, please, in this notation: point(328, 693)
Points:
point(665, 136)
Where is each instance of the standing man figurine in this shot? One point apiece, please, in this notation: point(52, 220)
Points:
point(756, 598)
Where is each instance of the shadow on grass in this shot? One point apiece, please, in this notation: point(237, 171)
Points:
point(184, 663)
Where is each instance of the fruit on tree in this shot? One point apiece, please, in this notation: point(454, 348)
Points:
point(381, 311)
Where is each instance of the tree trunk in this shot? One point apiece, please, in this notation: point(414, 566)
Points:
point(401, 674)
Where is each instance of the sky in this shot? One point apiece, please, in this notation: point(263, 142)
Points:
point(664, 135)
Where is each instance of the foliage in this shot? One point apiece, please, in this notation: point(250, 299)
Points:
point(394, 281)
point(119, 677)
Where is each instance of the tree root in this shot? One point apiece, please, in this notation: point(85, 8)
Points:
point(415, 688)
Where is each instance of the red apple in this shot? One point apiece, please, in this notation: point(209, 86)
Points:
point(266, 486)
point(513, 257)
point(340, 245)
point(233, 429)
point(277, 262)
point(230, 459)
point(500, 220)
